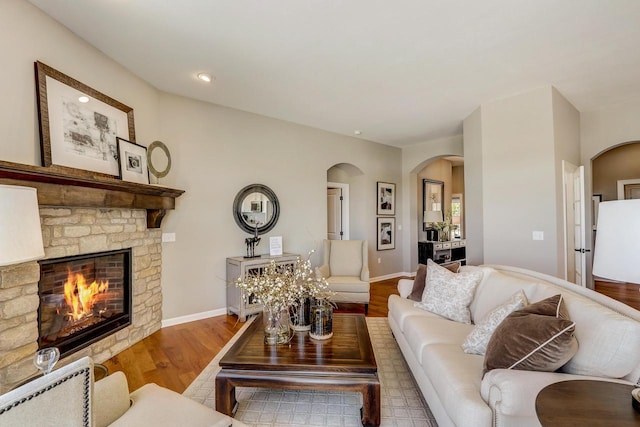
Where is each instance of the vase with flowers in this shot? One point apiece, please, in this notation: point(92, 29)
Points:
point(282, 290)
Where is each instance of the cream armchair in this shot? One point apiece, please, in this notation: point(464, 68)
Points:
point(346, 269)
point(69, 397)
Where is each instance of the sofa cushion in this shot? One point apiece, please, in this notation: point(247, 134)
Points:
point(421, 331)
point(449, 294)
point(496, 287)
point(456, 378)
point(400, 309)
point(421, 279)
point(609, 341)
point(476, 342)
point(538, 337)
point(347, 284)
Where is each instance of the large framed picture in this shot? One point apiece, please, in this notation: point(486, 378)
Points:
point(386, 233)
point(132, 161)
point(78, 124)
point(386, 198)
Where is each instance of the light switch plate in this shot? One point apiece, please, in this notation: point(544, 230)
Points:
point(168, 237)
point(538, 235)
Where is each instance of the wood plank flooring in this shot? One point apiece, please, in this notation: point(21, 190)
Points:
point(174, 356)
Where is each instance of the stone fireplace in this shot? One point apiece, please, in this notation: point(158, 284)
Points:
point(83, 298)
point(72, 232)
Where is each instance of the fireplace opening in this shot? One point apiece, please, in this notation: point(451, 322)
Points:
point(83, 299)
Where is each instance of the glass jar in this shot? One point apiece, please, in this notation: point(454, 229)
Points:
point(276, 326)
point(321, 320)
point(300, 314)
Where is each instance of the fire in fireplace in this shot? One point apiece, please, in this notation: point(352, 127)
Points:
point(83, 299)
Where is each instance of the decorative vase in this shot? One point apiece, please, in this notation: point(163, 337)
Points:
point(321, 320)
point(300, 314)
point(276, 326)
point(443, 235)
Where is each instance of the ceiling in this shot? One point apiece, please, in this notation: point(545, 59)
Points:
point(402, 72)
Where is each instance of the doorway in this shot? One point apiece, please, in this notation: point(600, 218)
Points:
point(575, 227)
point(337, 211)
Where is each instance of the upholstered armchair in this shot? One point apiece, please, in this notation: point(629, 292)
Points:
point(68, 396)
point(346, 269)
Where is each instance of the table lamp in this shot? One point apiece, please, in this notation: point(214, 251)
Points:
point(430, 217)
point(20, 230)
point(617, 249)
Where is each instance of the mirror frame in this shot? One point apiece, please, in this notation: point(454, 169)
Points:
point(237, 208)
point(426, 183)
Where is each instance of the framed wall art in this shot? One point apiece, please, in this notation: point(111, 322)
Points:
point(78, 124)
point(386, 233)
point(386, 198)
point(132, 164)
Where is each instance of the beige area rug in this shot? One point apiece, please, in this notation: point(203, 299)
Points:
point(402, 402)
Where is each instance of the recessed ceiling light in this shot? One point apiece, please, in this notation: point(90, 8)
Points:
point(84, 99)
point(357, 132)
point(205, 77)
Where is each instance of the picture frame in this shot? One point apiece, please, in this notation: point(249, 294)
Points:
point(132, 162)
point(386, 198)
point(595, 205)
point(386, 232)
point(79, 125)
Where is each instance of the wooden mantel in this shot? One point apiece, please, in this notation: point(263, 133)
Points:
point(64, 187)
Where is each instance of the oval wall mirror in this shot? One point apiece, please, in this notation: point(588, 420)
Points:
point(158, 159)
point(256, 209)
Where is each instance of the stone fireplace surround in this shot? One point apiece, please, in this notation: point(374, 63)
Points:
point(73, 231)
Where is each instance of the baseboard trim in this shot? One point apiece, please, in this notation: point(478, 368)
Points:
point(193, 317)
point(390, 276)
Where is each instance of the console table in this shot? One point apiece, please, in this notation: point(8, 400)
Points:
point(238, 268)
point(443, 252)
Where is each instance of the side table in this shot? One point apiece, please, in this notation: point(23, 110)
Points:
point(586, 403)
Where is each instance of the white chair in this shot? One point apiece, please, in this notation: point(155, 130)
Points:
point(346, 269)
point(69, 397)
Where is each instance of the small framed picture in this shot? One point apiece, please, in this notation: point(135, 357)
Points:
point(386, 233)
point(386, 198)
point(132, 162)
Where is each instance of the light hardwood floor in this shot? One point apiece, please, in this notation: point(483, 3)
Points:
point(174, 356)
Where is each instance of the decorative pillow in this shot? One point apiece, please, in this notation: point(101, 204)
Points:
point(538, 337)
point(449, 294)
point(476, 342)
point(421, 277)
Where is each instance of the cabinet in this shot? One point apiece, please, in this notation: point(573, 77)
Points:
point(443, 252)
point(240, 267)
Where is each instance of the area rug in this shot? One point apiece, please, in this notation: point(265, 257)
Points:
point(402, 402)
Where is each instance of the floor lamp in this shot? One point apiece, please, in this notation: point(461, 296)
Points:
point(20, 230)
point(617, 249)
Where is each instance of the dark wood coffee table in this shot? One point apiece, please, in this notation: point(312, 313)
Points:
point(344, 362)
point(586, 403)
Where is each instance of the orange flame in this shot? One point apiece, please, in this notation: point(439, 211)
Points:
point(80, 296)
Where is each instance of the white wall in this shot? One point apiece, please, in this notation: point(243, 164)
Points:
point(473, 187)
point(521, 178)
point(215, 152)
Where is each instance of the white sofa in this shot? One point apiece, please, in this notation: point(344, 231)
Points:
point(451, 381)
point(68, 396)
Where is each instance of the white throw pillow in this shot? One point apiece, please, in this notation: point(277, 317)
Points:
point(449, 294)
point(476, 342)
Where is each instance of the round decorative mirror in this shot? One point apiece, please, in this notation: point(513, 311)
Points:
point(158, 159)
point(256, 209)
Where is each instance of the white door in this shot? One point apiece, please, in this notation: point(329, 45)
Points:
point(580, 230)
point(575, 228)
point(334, 214)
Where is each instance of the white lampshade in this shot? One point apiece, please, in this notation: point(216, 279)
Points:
point(432, 216)
point(617, 250)
point(20, 231)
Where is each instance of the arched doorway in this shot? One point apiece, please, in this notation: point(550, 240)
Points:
point(340, 178)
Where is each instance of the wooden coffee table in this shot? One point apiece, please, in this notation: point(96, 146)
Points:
point(344, 362)
point(586, 403)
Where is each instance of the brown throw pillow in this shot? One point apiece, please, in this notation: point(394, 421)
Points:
point(538, 337)
point(421, 279)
